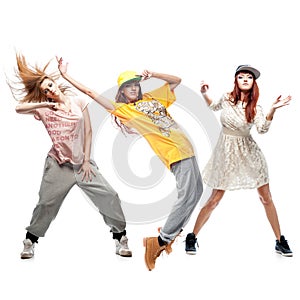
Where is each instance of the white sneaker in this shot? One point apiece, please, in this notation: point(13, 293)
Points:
point(122, 247)
point(28, 251)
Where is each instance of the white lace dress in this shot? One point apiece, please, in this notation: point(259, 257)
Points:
point(237, 162)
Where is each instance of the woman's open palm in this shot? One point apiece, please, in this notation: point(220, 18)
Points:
point(281, 102)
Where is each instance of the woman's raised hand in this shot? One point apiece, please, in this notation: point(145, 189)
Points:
point(61, 67)
point(203, 87)
point(146, 74)
point(281, 102)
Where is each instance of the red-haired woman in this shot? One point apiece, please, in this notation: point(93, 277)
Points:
point(237, 162)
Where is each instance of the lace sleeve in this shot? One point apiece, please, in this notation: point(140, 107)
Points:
point(218, 105)
point(260, 121)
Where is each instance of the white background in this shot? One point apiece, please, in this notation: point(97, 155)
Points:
point(194, 40)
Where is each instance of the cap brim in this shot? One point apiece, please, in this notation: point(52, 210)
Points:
point(137, 78)
point(252, 70)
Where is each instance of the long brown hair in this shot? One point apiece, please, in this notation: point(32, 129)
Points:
point(120, 98)
point(31, 78)
point(251, 99)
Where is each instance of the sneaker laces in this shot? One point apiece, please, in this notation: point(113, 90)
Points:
point(28, 245)
point(284, 243)
point(124, 242)
point(191, 241)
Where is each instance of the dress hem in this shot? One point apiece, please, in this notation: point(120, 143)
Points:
point(237, 187)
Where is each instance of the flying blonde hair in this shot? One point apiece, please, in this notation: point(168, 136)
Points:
point(26, 88)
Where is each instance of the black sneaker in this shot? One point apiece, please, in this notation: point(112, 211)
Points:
point(190, 244)
point(282, 247)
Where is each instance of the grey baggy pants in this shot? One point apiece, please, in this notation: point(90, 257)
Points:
point(58, 180)
point(189, 188)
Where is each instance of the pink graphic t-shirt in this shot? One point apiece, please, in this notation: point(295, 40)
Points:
point(66, 130)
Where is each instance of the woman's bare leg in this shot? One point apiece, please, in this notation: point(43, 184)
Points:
point(207, 209)
point(266, 199)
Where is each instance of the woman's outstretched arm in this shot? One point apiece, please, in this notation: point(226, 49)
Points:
point(104, 102)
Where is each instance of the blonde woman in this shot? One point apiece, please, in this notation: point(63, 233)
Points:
point(68, 163)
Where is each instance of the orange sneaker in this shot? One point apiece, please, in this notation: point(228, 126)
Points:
point(152, 251)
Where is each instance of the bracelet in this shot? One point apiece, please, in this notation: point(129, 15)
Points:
point(204, 93)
